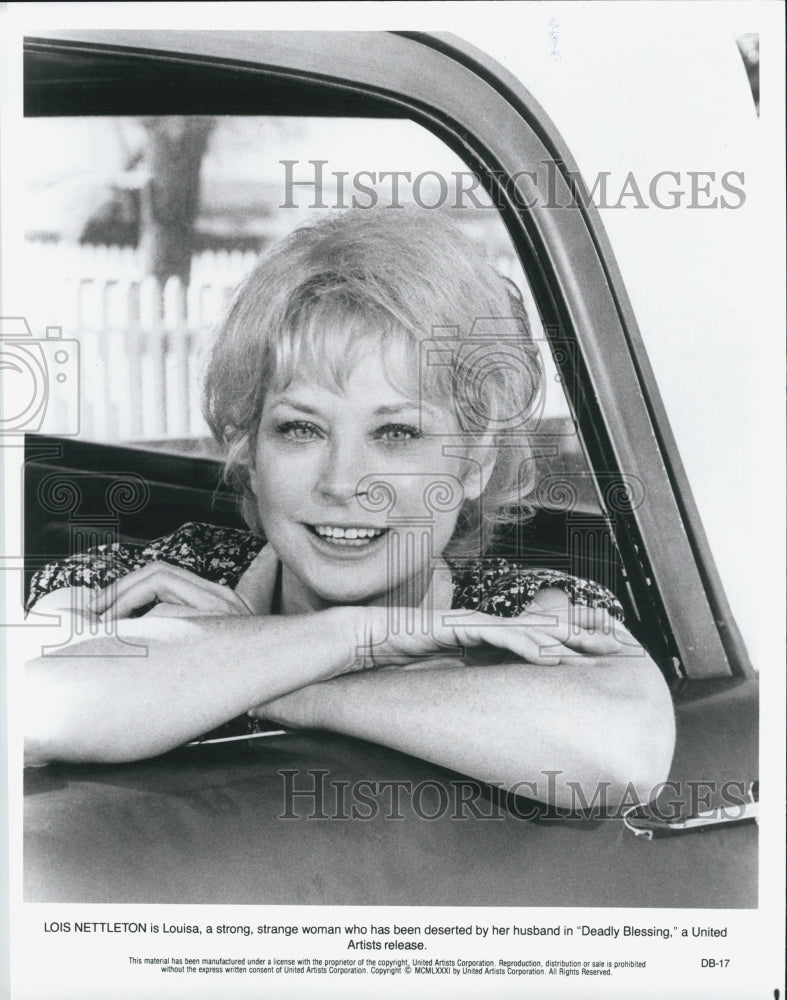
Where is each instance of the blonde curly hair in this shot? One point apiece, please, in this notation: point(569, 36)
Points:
point(394, 277)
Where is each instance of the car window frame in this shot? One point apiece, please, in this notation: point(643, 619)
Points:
point(499, 129)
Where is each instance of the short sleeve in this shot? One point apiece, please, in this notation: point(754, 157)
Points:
point(587, 593)
point(499, 587)
point(217, 554)
point(95, 568)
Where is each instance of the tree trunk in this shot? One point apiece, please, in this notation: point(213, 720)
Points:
point(170, 199)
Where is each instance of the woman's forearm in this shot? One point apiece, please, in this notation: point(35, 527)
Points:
point(95, 701)
point(594, 725)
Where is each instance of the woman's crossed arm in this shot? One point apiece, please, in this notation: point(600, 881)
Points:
point(505, 717)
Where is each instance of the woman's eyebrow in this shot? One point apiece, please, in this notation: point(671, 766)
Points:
point(387, 411)
point(295, 405)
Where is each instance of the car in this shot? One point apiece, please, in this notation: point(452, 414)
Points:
point(263, 820)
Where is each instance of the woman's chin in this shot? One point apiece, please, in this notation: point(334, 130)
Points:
point(350, 596)
point(317, 590)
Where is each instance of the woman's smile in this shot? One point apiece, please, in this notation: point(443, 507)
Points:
point(355, 535)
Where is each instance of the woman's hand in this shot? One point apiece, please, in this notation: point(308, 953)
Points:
point(582, 631)
point(541, 636)
point(180, 593)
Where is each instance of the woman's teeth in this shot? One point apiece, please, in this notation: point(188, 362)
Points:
point(347, 536)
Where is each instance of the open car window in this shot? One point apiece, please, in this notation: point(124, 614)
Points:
point(503, 137)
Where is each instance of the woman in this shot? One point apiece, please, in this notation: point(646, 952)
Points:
point(374, 386)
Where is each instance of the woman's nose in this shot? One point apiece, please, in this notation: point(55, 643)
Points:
point(343, 468)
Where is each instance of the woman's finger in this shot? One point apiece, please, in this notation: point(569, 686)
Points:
point(532, 644)
point(162, 610)
point(161, 582)
point(585, 630)
point(104, 598)
point(524, 639)
point(545, 638)
point(593, 643)
point(168, 590)
point(539, 637)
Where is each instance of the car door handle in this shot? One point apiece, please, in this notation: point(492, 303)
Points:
point(645, 822)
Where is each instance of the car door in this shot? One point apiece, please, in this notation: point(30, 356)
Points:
point(647, 518)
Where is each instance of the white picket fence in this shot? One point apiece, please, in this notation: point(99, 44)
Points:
point(141, 345)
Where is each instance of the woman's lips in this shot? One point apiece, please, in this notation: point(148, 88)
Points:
point(356, 536)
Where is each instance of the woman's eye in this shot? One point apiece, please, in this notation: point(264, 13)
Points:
point(398, 433)
point(298, 430)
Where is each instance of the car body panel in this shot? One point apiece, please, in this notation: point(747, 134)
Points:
point(205, 826)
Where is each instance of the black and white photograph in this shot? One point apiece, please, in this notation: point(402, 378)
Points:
point(393, 470)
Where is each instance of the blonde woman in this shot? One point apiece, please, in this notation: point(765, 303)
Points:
point(373, 385)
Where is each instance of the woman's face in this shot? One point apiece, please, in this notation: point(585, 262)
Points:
point(320, 451)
